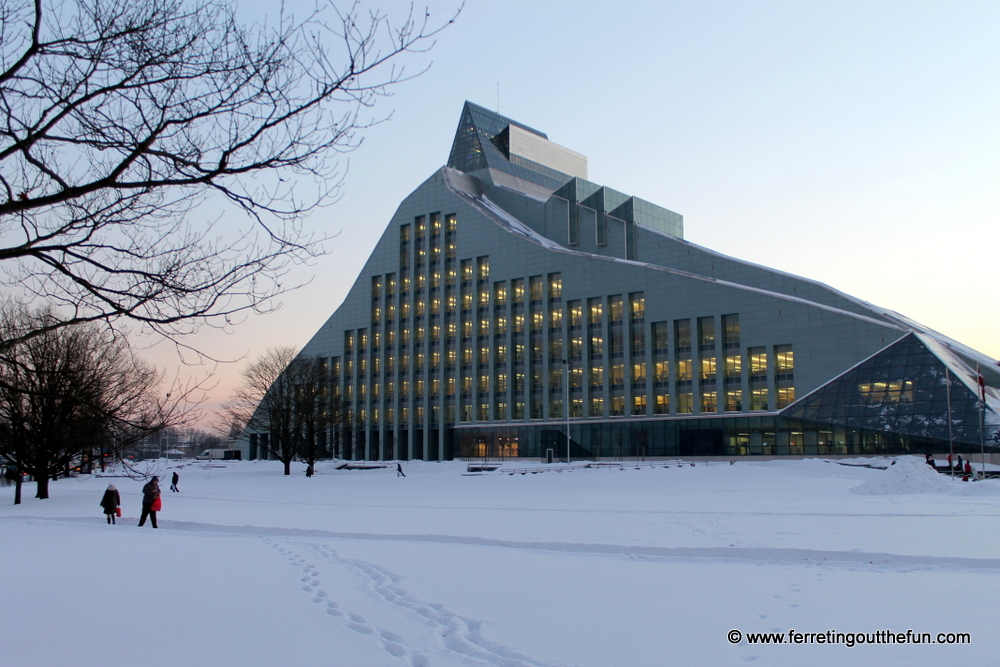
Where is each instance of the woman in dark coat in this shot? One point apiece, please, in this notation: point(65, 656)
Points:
point(150, 501)
point(110, 502)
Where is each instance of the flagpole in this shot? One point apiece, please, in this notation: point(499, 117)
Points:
point(982, 418)
point(951, 441)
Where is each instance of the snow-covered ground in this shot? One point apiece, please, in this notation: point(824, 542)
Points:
point(593, 568)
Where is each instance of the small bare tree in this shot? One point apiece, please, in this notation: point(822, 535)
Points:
point(118, 118)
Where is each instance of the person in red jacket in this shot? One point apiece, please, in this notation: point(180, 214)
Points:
point(967, 471)
point(150, 501)
point(110, 502)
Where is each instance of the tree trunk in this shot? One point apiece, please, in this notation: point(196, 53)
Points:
point(17, 488)
point(42, 482)
point(288, 466)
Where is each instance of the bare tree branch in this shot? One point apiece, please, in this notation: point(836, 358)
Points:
point(118, 119)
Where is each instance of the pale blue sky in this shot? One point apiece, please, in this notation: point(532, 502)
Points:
point(854, 143)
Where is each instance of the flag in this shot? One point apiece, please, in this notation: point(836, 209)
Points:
point(982, 384)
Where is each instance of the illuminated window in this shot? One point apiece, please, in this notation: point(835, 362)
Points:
point(596, 345)
point(596, 406)
point(484, 326)
point(484, 268)
point(596, 376)
point(517, 287)
point(709, 401)
point(639, 372)
point(662, 371)
point(467, 356)
point(500, 327)
point(467, 301)
point(484, 297)
point(576, 345)
point(684, 369)
point(662, 406)
point(555, 285)
point(537, 320)
point(452, 302)
point(734, 400)
point(518, 323)
point(501, 382)
point(637, 306)
point(758, 398)
point(466, 269)
point(877, 393)
point(595, 310)
point(685, 402)
point(758, 362)
point(575, 313)
point(734, 365)
point(639, 404)
point(501, 356)
point(500, 293)
point(484, 355)
point(618, 374)
point(451, 222)
point(555, 318)
point(708, 366)
point(467, 329)
point(784, 360)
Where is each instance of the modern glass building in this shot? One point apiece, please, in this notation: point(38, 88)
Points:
point(511, 299)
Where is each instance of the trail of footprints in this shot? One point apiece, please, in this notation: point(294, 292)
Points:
point(310, 585)
point(459, 636)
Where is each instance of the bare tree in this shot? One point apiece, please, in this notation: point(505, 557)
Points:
point(288, 402)
point(73, 391)
point(118, 118)
point(264, 403)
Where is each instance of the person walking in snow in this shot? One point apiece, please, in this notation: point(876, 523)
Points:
point(399, 470)
point(150, 501)
point(967, 470)
point(173, 482)
point(110, 502)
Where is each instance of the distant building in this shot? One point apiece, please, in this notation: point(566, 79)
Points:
point(508, 289)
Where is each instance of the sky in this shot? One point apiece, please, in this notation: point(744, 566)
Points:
point(853, 143)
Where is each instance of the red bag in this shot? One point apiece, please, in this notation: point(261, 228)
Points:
point(157, 504)
point(118, 511)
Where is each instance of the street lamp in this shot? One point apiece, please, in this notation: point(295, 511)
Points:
point(566, 367)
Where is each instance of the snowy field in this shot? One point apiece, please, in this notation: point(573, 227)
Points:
point(593, 568)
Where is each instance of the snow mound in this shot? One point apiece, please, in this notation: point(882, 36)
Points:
point(910, 475)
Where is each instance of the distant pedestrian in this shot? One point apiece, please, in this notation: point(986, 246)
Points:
point(967, 470)
point(961, 467)
point(150, 501)
point(951, 466)
point(173, 482)
point(110, 502)
point(399, 471)
point(929, 458)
